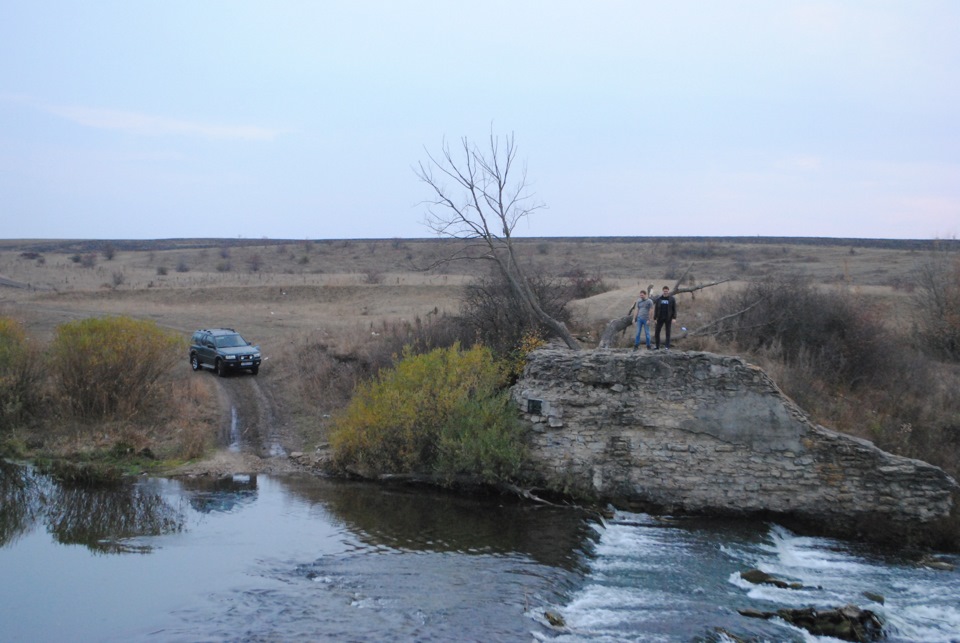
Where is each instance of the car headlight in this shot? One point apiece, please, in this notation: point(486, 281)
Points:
point(231, 357)
point(256, 356)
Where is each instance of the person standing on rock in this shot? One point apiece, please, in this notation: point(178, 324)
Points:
point(664, 312)
point(641, 317)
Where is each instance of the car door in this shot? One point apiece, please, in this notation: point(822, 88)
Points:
point(208, 351)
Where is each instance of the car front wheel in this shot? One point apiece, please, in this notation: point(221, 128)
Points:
point(221, 371)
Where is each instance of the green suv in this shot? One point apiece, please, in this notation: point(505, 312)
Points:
point(223, 350)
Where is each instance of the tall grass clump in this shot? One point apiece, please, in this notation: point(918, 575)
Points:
point(21, 376)
point(443, 413)
point(113, 366)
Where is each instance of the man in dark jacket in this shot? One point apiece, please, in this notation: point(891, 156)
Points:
point(664, 312)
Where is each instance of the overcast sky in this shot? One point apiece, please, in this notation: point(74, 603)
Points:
point(282, 119)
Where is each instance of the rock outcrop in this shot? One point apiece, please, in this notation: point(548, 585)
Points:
point(704, 433)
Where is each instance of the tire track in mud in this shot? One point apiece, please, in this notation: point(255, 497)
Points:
point(251, 434)
point(248, 422)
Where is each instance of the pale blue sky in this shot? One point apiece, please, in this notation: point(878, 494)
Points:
point(282, 119)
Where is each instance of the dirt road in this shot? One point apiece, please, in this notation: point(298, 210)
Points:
point(253, 436)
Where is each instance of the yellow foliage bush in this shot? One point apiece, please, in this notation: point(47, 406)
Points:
point(442, 413)
point(517, 359)
point(21, 375)
point(112, 366)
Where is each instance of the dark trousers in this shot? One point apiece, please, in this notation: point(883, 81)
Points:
point(660, 324)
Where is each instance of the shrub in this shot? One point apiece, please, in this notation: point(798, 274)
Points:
point(492, 315)
point(442, 413)
point(516, 361)
point(580, 285)
point(111, 366)
point(937, 305)
point(21, 376)
point(839, 338)
point(327, 374)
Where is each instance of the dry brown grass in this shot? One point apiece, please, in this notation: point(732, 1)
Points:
point(317, 313)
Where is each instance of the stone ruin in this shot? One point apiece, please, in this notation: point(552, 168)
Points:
point(694, 432)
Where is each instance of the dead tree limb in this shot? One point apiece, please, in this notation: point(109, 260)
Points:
point(703, 329)
point(618, 325)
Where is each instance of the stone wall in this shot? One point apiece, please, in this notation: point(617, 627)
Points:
point(704, 433)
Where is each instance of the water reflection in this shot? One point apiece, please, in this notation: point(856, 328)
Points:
point(418, 519)
point(226, 494)
point(101, 519)
point(20, 502)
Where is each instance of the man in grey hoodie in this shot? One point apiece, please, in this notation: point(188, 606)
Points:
point(642, 316)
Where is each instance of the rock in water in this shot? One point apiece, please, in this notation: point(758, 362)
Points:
point(847, 623)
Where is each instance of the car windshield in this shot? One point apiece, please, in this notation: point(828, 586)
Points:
point(230, 341)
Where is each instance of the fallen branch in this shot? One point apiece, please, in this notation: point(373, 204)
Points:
point(702, 329)
point(463, 481)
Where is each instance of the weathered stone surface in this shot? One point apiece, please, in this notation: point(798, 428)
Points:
point(698, 432)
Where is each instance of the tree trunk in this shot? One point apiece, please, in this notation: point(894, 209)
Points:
point(615, 326)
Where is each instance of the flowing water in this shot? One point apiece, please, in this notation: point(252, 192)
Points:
point(299, 558)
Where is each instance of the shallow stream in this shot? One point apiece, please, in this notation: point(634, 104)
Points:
point(303, 558)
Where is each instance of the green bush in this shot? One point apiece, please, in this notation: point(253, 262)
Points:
point(112, 366)
point(443, 413)
point(21, 376)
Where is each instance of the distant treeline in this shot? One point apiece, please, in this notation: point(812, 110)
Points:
point(132, 245)
point(891, 244)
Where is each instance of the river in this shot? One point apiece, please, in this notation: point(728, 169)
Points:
point(259, 558)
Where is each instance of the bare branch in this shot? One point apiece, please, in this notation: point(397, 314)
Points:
point(485, 206)
point(680, 291)
point(702, 330)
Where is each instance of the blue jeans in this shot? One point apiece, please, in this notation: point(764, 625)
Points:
point(642, 324)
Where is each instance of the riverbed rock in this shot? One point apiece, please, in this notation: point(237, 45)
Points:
point(933, 562)
point(875, 597)
point(847, 623)
point(759, 577)
point(554, 619)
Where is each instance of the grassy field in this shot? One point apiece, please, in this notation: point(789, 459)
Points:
point(291, 297)
point(273, 288)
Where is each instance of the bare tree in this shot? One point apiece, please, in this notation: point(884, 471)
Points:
point(479, 196)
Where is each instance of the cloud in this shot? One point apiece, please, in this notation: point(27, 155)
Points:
point(145, 124)
point(152, 125)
